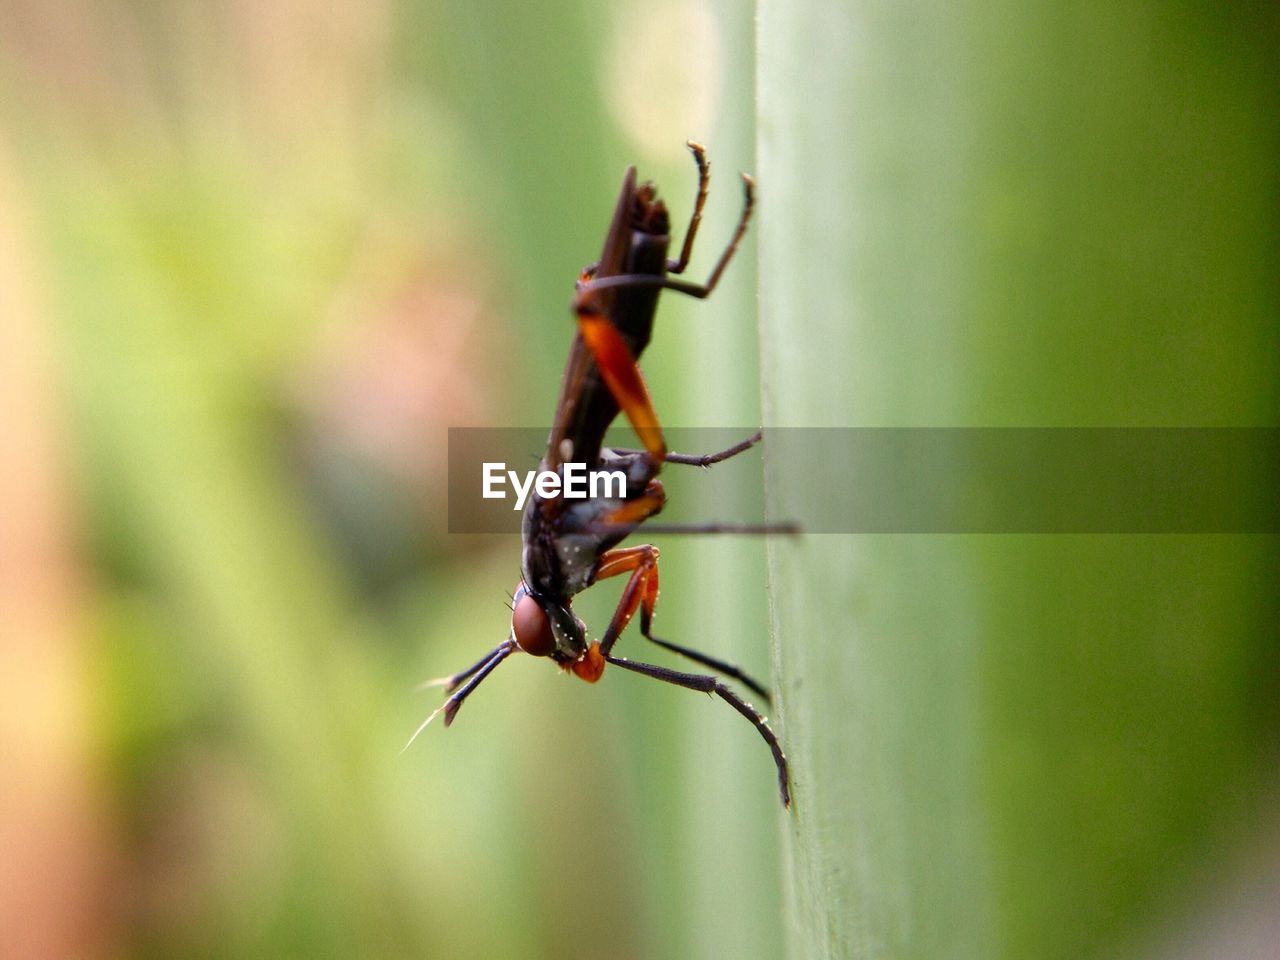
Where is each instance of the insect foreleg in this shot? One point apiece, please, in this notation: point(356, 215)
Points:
point(642, 591)
point(705, 684)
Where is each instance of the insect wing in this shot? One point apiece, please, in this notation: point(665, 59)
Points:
point(581, 378)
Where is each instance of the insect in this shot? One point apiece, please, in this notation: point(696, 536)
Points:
point(570, 545)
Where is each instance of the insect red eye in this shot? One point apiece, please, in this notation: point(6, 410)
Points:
point(532, 628)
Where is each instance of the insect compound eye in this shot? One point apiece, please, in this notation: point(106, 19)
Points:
point(531, 627)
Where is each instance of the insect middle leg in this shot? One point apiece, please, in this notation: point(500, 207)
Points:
point(622, 375)
point(705, 459)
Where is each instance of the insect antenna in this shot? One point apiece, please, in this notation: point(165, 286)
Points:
point(478, 672)
point(451, 683)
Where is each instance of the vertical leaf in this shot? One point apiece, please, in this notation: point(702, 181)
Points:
point(998, 215)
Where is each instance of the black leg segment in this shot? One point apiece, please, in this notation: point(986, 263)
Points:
point(722, 667)
point(706, 684)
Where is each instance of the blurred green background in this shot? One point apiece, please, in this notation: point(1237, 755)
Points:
point(255, 259)
point(1037, 215)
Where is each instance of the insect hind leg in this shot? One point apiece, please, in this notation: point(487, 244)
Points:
point(699, 291)
point(704, 180)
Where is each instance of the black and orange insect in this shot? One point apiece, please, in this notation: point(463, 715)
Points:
point(571, 544)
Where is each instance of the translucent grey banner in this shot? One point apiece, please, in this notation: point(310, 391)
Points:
point(926, 480)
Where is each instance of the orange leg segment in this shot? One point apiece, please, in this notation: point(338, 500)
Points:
point(621, 375)
point(641, 591)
